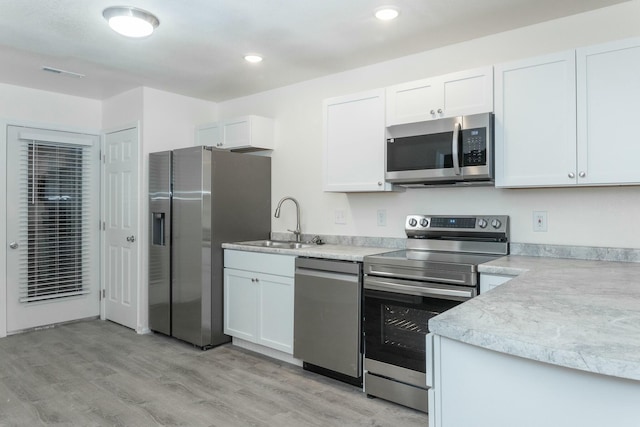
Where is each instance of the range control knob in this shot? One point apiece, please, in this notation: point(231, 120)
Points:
point(413, 222)
point(496, 223)
point(424, 222)
point(482, 223)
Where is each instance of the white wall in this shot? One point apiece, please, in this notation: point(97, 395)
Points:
point(573, 214)
point(39, 107)
point(166, 121)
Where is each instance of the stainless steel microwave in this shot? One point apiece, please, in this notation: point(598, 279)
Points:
point(456, 150)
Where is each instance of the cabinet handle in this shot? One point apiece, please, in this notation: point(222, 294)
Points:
point(582, 174)
point(439, 110)
point(379, 183)
point(571, 175)
point(433, 112)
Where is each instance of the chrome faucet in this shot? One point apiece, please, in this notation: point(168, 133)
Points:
point(297, 232)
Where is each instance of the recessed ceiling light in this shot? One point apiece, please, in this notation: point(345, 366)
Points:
point(130, 21)
point(253, 58)
point(387, 13)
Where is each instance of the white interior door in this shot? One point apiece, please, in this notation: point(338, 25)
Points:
point(121, 227)
point(53, 213)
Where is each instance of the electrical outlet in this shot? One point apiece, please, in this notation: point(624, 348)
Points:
point(340, 217)
point(539, 221)
point(382, 217)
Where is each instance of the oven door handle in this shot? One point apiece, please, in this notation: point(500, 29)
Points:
point(423, 291)
point(377, 271)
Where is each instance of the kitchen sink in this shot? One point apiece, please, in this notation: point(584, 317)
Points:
point(281, 244)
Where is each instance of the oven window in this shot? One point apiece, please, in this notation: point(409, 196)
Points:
point(431, 151)
point(395, 327)
point(404, 327)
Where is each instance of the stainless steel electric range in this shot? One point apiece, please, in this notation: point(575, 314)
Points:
point(404, 289)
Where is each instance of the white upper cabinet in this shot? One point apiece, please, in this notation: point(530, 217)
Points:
point(450, 95)
point(209, 134)
point(354, 142)
point(569, 119)
point(241, 133)
point(608, 113)
point(535, 121)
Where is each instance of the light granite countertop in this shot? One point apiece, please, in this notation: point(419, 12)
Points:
point(339, 252)
point(573, 313)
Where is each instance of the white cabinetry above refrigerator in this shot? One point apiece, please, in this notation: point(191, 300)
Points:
point(241, 133)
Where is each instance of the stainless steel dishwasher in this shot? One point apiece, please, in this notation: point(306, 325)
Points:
point(328, 318)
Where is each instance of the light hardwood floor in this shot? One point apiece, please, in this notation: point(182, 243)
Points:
point(97, 373)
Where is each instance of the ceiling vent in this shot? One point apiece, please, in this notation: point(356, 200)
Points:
point(62, 72)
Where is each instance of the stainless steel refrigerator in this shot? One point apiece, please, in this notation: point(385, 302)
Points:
point(199, 198)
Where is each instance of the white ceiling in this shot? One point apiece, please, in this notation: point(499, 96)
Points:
point(199, 46)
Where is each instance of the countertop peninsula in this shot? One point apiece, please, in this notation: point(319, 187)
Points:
point(572, 313)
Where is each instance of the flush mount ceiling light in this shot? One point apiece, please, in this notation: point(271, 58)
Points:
point(253, 58)
point(386, 13)
point(130, 21)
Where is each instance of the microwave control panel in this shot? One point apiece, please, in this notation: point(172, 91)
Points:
point(474, 147)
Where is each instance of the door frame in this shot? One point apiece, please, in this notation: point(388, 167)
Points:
point(141, 326)
point(3, 203)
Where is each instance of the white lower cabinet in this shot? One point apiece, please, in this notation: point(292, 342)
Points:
point(498, 389)
point(258, 298)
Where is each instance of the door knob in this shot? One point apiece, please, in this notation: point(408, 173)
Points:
point(131, 239)
point(13, 245)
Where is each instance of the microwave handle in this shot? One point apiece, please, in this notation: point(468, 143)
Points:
point(455, 149)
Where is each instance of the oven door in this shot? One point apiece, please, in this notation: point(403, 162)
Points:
point(396, 317)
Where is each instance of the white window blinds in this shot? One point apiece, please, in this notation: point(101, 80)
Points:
point(54, 220)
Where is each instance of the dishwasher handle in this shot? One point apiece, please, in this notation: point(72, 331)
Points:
point(344, 277)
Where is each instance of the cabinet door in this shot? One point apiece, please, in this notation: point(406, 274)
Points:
point(240, 304)
point(535, 122)
point(608, 105)
point(209, 135)
point(414, 102)
point(354, 139)
point(236, 133)
point(468, 92)
point(275, 324)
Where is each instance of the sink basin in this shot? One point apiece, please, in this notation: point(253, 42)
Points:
point(281, 244)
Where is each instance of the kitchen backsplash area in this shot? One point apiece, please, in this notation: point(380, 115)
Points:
point(524, 249)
